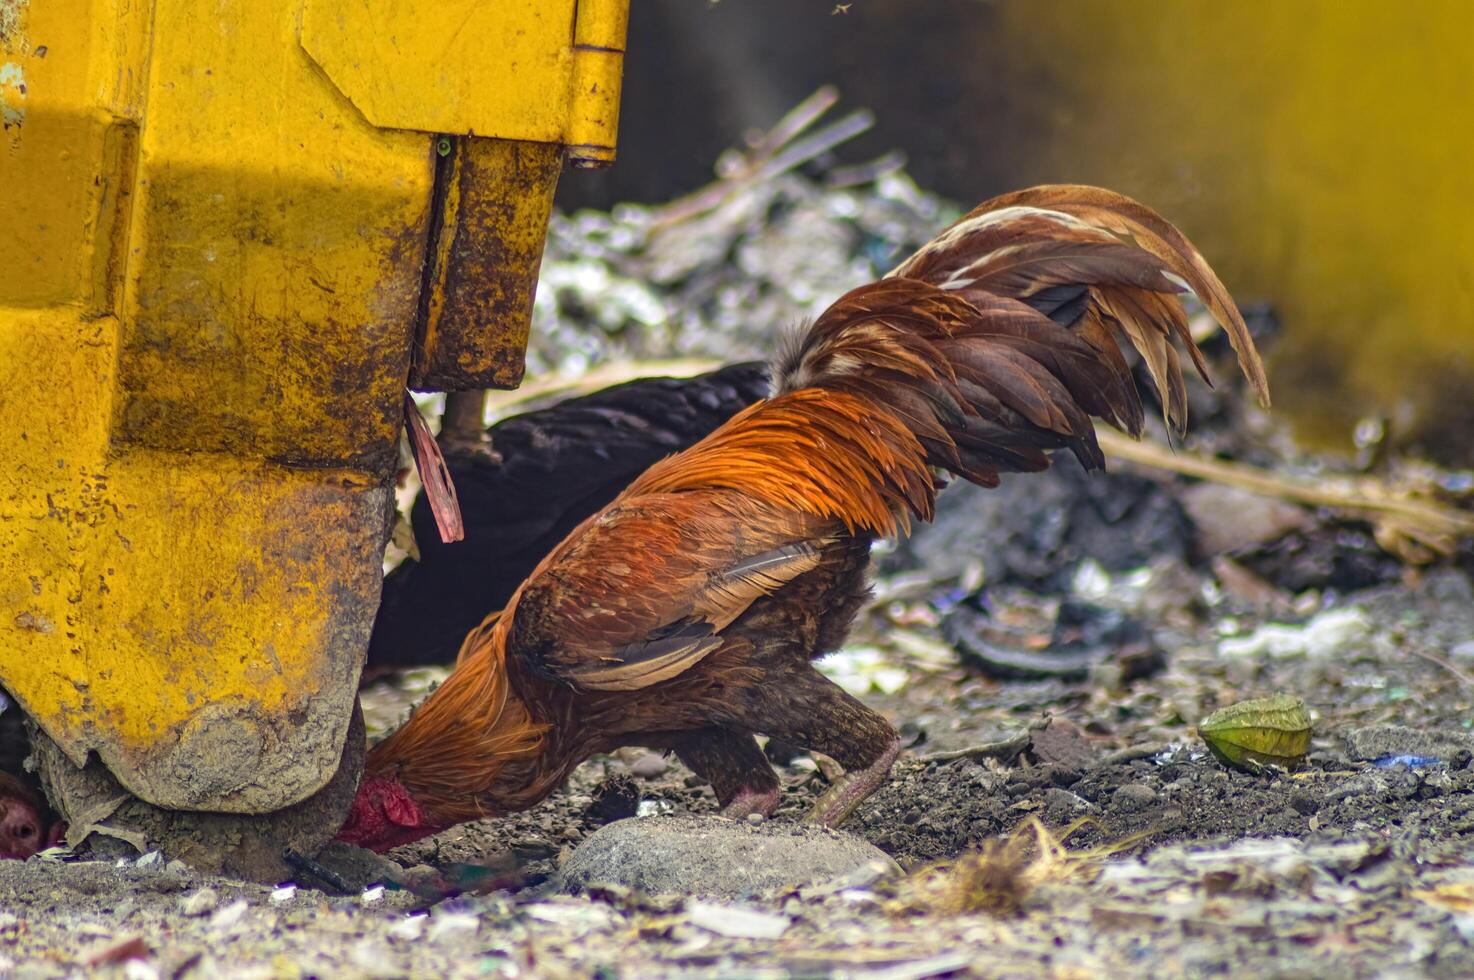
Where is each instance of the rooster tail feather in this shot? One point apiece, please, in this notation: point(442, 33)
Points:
point(1084, 255)
point(989, 348)
point(996, 342)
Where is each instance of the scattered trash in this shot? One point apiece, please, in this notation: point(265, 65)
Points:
point(1228, 518)
point(863, 669)
point(1387, 762)
point(616, 798)
point(1260, 733)
point(1456, 896)
point(453, 927)
point(117, 951)
point(987, 635)
point(409, 929)
point(1326, 635)
point(1051, 566)
point(583, 914)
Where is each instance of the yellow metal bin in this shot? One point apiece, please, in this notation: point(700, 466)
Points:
point(230, 235)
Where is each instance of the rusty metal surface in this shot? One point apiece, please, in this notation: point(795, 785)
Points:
point(494, 204)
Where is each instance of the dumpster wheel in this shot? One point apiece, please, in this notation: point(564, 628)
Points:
point(115, 823)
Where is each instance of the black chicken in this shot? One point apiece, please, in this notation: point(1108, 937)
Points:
point(548, 470)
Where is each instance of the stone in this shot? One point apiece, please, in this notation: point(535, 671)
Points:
point(1061, 806)
point(1063, 743)
point(651, 765)
point(1228, 518)
point(1394, 743)
point(713, 857)
point(1133, 797)
point(201, 901)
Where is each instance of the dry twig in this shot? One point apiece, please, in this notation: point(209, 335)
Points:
point(1406, 524)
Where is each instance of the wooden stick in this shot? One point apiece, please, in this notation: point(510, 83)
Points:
point(1428, 522)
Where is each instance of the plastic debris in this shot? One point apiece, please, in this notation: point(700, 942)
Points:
point(1325, 635)
point(737, 923)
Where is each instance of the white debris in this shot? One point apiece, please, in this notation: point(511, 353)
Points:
point(737, 923)
point(584, 914)
point(863, 670)
point(283, 894)
point(199, 902)
point(1325, 635)
point(409, 929)
point(371, 894)
point(229, 915)
point(140, 970)
point(453, 926)
point(653, 808)
point(153, 859)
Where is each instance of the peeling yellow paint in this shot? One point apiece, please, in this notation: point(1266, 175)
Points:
point(12, 95)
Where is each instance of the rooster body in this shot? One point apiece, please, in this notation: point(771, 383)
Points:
point(687, 614)
point(547, 470)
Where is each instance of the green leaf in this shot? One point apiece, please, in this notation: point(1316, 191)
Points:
point(1259, 733)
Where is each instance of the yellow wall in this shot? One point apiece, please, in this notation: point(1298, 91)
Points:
point(1321, 152)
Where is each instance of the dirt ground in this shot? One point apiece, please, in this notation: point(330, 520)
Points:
point(1046, 650)
point(1349, 867)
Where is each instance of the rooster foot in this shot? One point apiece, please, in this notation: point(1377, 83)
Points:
point(749, 801)
point(850, 790)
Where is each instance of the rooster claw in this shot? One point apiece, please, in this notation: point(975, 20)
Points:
point(752, 801)
point(850, 790)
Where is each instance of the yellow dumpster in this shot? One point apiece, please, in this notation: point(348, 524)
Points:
point(230, 235)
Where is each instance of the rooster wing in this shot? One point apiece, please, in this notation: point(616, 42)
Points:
point(647, 589)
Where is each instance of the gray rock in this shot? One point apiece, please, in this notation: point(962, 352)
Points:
point(1227, 518)
point(1063, 743)
point(1375, 742)
point(713, 857)
point(1133, 796)
point(357, 866)
point(649, 766)
point(1061, 806)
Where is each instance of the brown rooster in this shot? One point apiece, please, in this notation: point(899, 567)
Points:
point(686, 615)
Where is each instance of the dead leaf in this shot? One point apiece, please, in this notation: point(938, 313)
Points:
point(1259, 732)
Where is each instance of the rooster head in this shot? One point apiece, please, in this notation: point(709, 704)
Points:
point(384, 815)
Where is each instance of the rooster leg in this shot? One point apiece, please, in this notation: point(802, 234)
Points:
point(851, 789)
point(736, 768)
point(813, 712)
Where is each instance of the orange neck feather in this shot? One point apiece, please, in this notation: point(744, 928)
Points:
point(821, 452)
point(455, 745)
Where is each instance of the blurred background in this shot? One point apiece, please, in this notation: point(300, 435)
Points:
point(1318, 152)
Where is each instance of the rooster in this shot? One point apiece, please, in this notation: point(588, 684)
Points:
point(686, 615)
point(547, 470)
